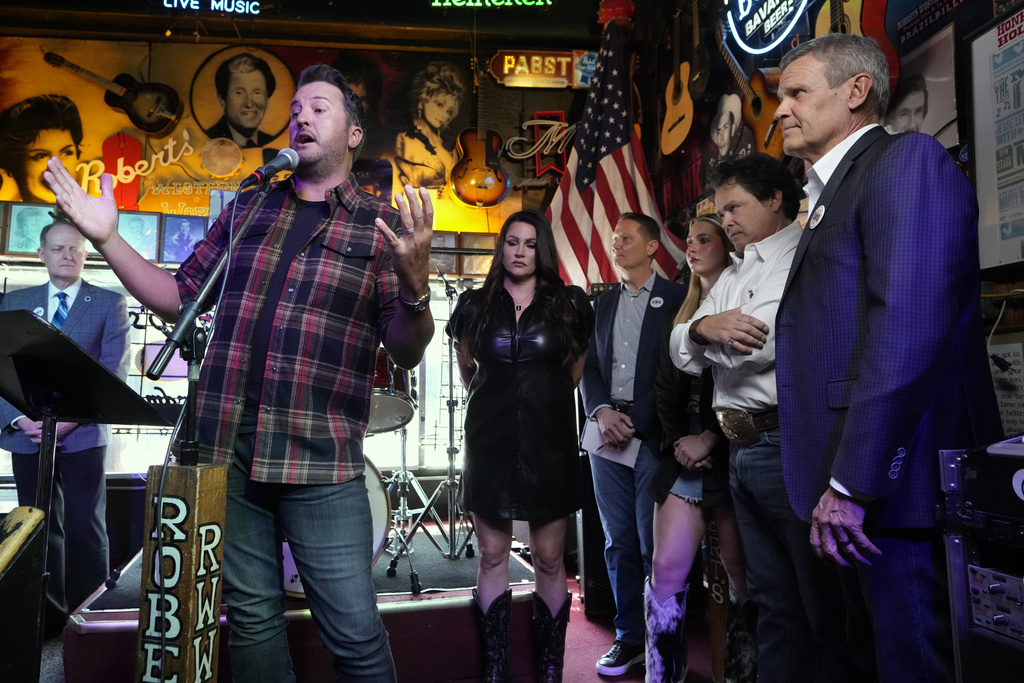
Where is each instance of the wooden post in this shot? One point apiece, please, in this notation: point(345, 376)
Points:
point(191, 525)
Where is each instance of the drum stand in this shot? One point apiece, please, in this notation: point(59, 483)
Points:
point(404, 479)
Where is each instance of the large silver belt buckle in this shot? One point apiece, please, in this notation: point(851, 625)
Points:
point(738, 426)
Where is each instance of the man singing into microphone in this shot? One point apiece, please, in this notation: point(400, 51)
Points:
point(322, 276)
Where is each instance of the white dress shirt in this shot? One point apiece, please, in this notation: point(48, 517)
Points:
point(754, 283)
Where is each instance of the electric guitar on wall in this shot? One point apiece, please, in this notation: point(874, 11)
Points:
point(478, 178)
point(678, 103)
point(872, 20)
point(759, 100)
point(153, 108)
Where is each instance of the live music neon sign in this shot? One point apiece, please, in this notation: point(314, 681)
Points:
point(766, 18)
point(230, 6)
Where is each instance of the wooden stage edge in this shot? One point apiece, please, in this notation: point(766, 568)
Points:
point(434, 638)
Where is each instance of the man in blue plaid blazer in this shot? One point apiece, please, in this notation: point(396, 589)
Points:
point(97, 320)
point(880, 353)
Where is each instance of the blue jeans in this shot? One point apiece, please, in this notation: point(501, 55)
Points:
point(329, 529)
point(802, 615)
point(906, 590)
point(627, 517)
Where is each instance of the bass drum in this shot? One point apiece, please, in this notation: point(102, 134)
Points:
point(380, 510)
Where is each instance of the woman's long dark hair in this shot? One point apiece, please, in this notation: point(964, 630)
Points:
point(550, 295)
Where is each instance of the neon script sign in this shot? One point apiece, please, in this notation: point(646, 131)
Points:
point(773, 20)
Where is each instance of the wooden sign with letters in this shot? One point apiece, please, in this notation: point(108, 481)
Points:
point(191, 526)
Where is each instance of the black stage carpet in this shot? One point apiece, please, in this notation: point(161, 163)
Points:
point(435, 571)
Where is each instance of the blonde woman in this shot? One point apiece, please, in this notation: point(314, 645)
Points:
point(692, 484)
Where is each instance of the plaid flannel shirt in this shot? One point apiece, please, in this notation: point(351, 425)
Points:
point(334, 309)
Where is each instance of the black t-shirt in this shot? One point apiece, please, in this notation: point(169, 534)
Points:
point(308, 219)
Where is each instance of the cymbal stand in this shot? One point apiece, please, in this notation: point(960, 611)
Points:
point(403, 479)
point(450, 485)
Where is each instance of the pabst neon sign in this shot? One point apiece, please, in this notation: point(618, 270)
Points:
point(768, 20)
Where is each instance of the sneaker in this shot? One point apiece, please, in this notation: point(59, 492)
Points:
point(620, 658)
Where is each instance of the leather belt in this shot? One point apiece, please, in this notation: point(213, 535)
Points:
point(622, 406)
point(745, 428)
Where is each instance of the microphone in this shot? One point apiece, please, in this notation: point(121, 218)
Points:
point(286, 160)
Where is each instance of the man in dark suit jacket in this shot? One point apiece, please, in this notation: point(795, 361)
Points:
point(879, 347)
point(97, 320)
point(618, 392)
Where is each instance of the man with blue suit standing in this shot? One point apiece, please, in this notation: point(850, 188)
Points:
point(879, 349)
point(618, 392)
point(97, 320)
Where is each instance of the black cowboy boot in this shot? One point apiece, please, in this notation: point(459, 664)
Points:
point(549, 638)
point(741, 643)
point(665, 635)
point(494, 632)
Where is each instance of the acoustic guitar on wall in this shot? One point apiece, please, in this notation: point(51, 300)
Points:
point(862, 19)
point(678, 103)
point(478, 178)
point(759, 100)
point(153, 108)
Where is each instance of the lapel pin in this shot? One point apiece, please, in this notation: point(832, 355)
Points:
point(819, 213)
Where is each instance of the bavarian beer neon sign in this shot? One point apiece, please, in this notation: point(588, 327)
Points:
point(767, 18)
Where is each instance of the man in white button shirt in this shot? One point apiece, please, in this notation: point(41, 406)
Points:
point(801, 627)
point(97, 320)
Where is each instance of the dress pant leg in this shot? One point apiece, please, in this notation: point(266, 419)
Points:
point(907, 593)
point(26, 468)
point(615, 491)
point(85, 521)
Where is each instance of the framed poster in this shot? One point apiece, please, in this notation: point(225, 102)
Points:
point(445, 261)
point(24, 223)
point(476, 264)
point(180, 235)
point(995, 56)
point(141, 230)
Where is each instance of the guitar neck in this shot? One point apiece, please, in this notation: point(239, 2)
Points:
point(696, 23)
point(734, 67)
point(118, 90)
point(837, 16)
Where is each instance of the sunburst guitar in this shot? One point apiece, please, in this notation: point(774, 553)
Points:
point(759, 100)
point(478, 178)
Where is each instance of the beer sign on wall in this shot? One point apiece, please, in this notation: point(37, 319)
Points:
point(759, 26)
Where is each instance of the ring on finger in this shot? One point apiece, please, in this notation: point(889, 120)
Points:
point(731, 342)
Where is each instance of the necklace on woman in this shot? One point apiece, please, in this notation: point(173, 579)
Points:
point(519, 304)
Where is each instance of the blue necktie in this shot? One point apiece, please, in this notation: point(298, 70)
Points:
point(62, 310)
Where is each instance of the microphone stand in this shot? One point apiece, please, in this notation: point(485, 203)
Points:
point(450, 484)
point(200, 489)
point(192, 340)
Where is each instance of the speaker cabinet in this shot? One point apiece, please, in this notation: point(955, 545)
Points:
point(22, 548)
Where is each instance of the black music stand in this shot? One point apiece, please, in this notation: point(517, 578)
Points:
point(48, 377)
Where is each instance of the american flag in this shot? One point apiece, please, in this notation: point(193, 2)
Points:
point(606, 176)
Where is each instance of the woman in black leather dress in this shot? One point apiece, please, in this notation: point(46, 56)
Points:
point(521, 341)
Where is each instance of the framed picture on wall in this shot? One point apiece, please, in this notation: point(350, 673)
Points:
point(446, 261)
point(24, 223)
point(180, 235)
point(994, 57)
point(141, 230)
point(476, 264)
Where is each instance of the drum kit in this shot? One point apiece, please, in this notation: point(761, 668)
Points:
point(392, 406)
